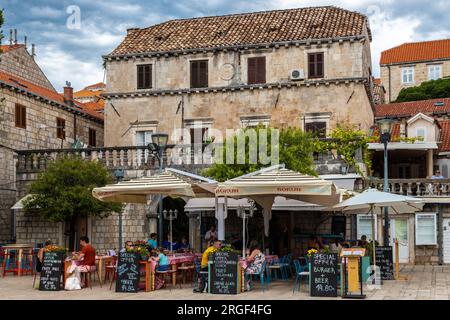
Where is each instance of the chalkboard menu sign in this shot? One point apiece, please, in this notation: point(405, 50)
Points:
point(384, 261)
point(52, 268)
point(323, 275)
point(128, 272)
point(223, 273)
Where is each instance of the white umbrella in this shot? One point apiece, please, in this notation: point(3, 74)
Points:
point(372, 198)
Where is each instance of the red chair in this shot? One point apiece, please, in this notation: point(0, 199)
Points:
point(110, 270)
point(10, 262)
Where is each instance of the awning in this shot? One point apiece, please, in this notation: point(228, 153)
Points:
point(19, 204)
point(404, 146)
point(173, 183)
point(265, 185)
point(280, 204)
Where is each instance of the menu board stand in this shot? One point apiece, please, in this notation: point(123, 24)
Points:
point(223, 271)
point(52, 271)
point(384, 260)
point(128, 272)
point(323, 275)
point(351, 273)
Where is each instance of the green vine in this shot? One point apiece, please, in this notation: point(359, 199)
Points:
point(347, 141)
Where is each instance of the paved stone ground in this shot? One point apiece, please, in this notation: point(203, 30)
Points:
point(424, 283)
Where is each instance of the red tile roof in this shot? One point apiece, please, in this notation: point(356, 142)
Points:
point(97, 86)
point(245, 29)
point(377, 81)
point(445, 136)
point(7, 47)
point(409, 109)
point(19, 83)
point(417, 51)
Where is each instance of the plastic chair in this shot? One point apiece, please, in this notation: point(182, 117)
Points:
point(300, 271)
point(110, 271)
point(274, 266)
point(10, 262)
point(199, 273)
point(88, 276)
point(261, 274)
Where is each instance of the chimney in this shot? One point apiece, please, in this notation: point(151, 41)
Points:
point(68, 92)
point(25, 41)
point(15, 36)
point(33, 50)
point(10, 37)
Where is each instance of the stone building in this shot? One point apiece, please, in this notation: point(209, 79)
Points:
point(307, 68)
point(411, 64)
point(33, 116)
point(419, 147)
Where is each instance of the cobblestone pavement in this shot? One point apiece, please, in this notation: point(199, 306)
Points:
point(424, 283)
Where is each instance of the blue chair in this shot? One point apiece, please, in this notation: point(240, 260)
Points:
point(301, 270)
point(274, 266)
point(284, 264)
point(261, 274)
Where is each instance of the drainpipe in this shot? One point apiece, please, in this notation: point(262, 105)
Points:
point(390, 87)
point(440, 234)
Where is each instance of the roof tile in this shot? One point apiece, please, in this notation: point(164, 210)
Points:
point(408, 109)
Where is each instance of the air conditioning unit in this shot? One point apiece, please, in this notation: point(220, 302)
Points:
point(297, 74)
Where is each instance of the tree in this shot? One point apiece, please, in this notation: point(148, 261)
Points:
point(295, 151)
point(64, 192)
point(434, 89)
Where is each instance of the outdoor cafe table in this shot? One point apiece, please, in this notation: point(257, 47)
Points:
point(21, 248)
point(174, 261)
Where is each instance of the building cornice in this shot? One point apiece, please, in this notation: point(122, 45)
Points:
point(276, 85)
point(282, 44)
point(49, 101)
point(408, 63)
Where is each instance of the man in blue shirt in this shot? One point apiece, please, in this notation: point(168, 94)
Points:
point(152, 242)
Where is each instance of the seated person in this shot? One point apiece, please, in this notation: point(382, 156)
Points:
point(166, 244)
point(86, 257)
point(363, 242)
point(163, 265)
point(128, 246)
point(255, 261)
point(313, 244)
point(214, 245)
point(336, 246)
point(152, 242)
point(184, 245)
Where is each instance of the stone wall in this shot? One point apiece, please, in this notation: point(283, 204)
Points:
point(7, 192)
point(20, 63)
point(420, 75)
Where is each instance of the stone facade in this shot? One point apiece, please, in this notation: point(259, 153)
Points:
point(394, 85)
point(20, 63)
point(344, 89)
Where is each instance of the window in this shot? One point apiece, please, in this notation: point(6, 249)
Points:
point(339, 225)
point(255, 121)
point(315, 65)
point(21, 116)
point(364, 226)
point(92, 137)
point(199, 74)
point(143, 138)
point(256, 70)
point(318, 129)
point(434, 72)
point(408, 75)
point(60, 128)
point(426, 229)
point(421, 133)
point(144, 76)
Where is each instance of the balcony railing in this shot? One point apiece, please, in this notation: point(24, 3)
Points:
point(413, 187)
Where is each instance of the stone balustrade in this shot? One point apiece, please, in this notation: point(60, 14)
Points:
point(413, 187)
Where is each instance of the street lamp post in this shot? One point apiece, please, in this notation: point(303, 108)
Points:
point(158, 146)
point(385, 138)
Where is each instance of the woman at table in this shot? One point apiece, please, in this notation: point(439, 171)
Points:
point(184, 245)
point(255, 261)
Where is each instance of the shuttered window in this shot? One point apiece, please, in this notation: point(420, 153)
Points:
point(144, 76)
point(92, 137)
point(256, 69)
point(199, 74)
point(21, 116)
point(315, 65)
point(61, 128)
point(318, 129)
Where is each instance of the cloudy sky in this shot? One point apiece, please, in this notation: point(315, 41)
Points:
point(68, 50)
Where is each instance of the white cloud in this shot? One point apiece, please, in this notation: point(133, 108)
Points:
point(61, 66)
point(46, 12)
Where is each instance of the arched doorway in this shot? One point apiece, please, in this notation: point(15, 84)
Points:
point(180, 226)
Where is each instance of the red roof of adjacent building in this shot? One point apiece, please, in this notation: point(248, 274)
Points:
point(97, 86)
point(22, 84)
point(445, 136)
point(10, 47)
point(245, 29)
point(417, 51)
point(406, 109)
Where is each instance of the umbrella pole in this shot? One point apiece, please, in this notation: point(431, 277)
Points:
point(373, 240)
